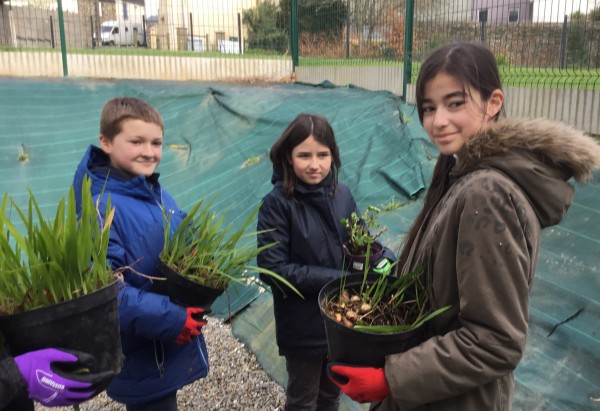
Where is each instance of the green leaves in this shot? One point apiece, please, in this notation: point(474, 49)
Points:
point(212, 253)
point(359, 230)
point(402, 300)
point(52, 260)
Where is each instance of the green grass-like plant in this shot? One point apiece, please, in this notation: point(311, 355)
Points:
point(55, 260)
point(402, 300)
point(388, 304)
point(210, 252)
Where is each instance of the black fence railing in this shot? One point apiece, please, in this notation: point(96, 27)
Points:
point(538, 43)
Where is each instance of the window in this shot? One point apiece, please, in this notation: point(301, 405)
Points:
point(513, 16)
point(483, 15)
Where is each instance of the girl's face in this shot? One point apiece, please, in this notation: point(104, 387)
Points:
point(453, 112)
point(311, 161)
point(137, 149)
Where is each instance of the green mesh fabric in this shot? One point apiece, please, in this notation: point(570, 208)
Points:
point(217, 137)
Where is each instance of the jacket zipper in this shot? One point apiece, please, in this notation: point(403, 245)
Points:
point(160, 362)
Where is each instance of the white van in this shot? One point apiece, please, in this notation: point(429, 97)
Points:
point(120, 33)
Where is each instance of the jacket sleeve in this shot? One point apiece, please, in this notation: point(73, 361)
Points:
point(12, 384)
point(389, 254)
point(149, 315)
point(494, 261)
point(308, 279)
point(143, 313)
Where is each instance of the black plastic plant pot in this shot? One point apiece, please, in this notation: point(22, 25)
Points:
point(358, 347)
point(356, 263)
point(89, 323)
point(183, 291)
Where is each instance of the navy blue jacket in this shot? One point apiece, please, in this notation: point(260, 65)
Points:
point(154, 365)
point(308, 254)
point(13, 390)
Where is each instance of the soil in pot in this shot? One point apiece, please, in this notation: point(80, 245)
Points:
point(360, 347)
point(182, 290)
point(89, 323)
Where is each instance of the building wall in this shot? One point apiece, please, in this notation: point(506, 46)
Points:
point(49, 64)
point(498, 12)
point(38, 27)
point(211, 21)
point(5, 25)
point(554, 11)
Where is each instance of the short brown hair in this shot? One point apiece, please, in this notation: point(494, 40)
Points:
point(117, 110)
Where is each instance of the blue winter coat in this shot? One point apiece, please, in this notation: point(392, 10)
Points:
point(154, 365)
point(308, 254)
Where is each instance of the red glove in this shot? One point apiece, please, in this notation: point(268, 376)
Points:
point(193, 323)
point(362, 384)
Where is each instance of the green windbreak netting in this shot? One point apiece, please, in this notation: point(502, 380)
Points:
point(217, 136)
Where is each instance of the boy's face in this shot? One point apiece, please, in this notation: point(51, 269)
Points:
point(137, 149)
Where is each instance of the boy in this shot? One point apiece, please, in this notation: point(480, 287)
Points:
point(163, 346)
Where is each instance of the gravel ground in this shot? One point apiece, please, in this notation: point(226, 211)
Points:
point(235, 381)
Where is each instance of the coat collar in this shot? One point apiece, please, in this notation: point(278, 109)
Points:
point(539, 156)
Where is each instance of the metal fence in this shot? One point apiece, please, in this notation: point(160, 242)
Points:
point(538, 43)
point(153, 26)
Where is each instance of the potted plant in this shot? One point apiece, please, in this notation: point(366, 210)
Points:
point(204, 254)
point(362, 245)
point(56, 288)
point(369, 316)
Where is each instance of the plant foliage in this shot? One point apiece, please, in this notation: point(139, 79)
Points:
point(53, 260)
point(263, 31)
point(387, 305)
point(359, 229)
point(317, 16)
point(206, 250)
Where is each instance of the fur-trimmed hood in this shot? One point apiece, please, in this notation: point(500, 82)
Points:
point(559, 144)
point(539, 155)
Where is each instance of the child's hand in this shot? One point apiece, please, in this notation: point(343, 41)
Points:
point(193, 324)
point(362, 384)
point(383, 267)
point(49, 383)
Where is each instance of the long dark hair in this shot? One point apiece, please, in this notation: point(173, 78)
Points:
point(475, 66)
point(302, 127)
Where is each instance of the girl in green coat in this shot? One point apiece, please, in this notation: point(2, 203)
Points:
point(496, 185)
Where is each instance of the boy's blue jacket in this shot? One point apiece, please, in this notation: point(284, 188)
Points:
point(308, 253)
point(154, 365)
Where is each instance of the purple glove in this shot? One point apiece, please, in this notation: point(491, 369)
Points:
point(51, 386)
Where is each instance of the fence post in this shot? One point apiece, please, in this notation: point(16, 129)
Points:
point(52, 32)
point(483, 18)
point(563, 45)
point(348, 31)
point(192, 31)
point(240, 33)
point(145, 33)
point(92, 31)
point(408, 45)
point(63, 40)
point(294, 34)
